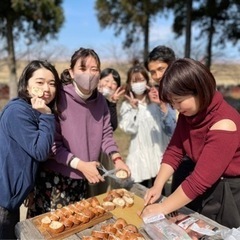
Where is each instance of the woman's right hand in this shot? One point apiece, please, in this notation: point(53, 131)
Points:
point(90, 171)
point(39, 105)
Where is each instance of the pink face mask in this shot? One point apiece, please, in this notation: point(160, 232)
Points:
point(86, 81)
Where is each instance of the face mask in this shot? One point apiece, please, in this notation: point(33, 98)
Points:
point(86, 81)
point(106, 92)
point(139, 87)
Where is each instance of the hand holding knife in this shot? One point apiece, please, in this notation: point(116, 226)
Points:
point(148, 203)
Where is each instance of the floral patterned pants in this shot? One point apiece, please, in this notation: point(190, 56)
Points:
point(53, 190)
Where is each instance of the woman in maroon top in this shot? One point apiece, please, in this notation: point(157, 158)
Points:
point(208, 131)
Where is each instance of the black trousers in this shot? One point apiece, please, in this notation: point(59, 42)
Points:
point(8, 220)
point(220, 203)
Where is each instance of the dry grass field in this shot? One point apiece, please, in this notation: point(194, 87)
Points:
point(225, 74)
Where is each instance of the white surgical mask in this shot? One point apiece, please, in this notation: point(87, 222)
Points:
point(139, 87)
point(106, 92)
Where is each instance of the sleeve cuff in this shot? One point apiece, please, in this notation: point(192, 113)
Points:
point(74, 162)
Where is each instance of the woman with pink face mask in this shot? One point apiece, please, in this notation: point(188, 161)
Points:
point(142, 120)
point(83, 130)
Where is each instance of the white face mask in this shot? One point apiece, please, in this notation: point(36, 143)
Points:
point(106, 92)
point(139, 87)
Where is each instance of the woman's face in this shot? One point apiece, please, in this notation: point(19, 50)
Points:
point(43, 80)
point(186, 105)
point(88, 68)
point(137, 77)
point(108, 82)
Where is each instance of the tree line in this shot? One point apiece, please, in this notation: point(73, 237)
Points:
point(217, 20)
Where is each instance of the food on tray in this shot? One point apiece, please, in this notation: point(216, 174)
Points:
point(119, 202)
point(56, 227)
point(45, 222)
point(100, 234)
point(187, 222)
point(122, 174)
point(120, 223)
point(118, 198)
point(37, 92)
point(108, 206)
point(128, 200)
point(116, 231)
point(72, 215)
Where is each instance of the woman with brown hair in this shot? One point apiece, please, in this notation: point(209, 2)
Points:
point(208, 131)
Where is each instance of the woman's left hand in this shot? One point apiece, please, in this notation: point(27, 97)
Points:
point(151, 210)
point(120, 164)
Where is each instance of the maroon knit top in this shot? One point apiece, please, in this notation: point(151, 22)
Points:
point(215, 152)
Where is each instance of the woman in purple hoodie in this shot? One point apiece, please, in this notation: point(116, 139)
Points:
point(83, 130)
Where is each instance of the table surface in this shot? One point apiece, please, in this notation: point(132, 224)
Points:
point(25, 230)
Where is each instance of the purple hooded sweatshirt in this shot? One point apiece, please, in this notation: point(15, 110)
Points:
point(84, 129)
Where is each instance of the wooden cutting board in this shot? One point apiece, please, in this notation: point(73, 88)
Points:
point(128, 213)
point(67, 232)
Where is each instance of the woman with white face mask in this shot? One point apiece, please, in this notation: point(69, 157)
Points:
point(83, 131)
point(142, 120)
point(110, 87)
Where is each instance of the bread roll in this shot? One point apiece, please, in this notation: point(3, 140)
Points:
point(90, 238)
point(134, 236)
point(79, 206)
point(114, 194)
point(122, 174)
point(66, 222)
point(74, 219)
point(56, 227)
point(120, 202)
point(45, 222)
point(82, 217)
point(60, 213)
point(100, 209)
point(37, 92)
point(128, 200)
point(108, 206)
point(84, 203)
point(66, 212)
point(108, 198)
point(88, 212)
point(131, 228)
point(120, 221)
point(100, 234)
point(94, 201)
point(54, 217)
point(110, 229)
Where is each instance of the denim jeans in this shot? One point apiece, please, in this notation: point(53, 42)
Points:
point(8, 220)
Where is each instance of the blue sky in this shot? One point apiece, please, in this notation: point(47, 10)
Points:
point(81, 29)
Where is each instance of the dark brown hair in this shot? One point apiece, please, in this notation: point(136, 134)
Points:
point(82, 53)
point(135, 69)
point(188, 77)
point(28, 73)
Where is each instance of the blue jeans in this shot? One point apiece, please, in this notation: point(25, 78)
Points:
point(8, 220)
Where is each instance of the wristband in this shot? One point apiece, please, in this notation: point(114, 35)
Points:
point(117, 159)
point(111, 153)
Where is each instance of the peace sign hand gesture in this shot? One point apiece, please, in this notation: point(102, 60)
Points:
point(133, 101)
